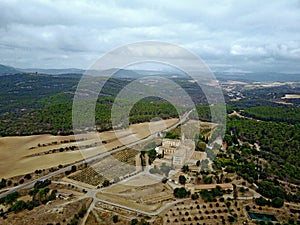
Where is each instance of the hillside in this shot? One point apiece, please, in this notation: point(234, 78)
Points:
point(6, 70)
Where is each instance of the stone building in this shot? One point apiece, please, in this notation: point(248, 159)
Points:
point(177, 151)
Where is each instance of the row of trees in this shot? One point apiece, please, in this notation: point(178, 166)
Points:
point(137, 222)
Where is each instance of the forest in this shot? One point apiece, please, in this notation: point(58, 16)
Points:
point(278, 144)
point(265, 153)
point(38, 104)
point(271, 113)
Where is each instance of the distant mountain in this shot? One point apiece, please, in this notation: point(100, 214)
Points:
point(136, 73)
point(53, 71)
point(120, 73)
point(164, 73)
point(7, 70)
point(258, 77)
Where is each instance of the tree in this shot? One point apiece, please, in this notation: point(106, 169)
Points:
point(171, 135)
point(206, 195)
point(152, 155)
point(18, 206)
point(277, 202)
point(10, 198)
point(269, 190)
point(42, 184)
point(143, 222)
point(115, 218)
point(73, 169)
point(134, 221)
point(231, 219)
point(235, 194)
point(164, 180)
point(21, 181)
point(292, 221)
point(228, 204)
point(52, 195)
point(201, 146)
point(74, 221)
point(261, 201)
point(82, 211)
point(33, 192)
point(180, 192)
point(9, 182)
point(182, 179)
point(228, 139)
point(27, 176)
point(207, 179)
point(195, 196)
point(106, 183)
point(185, 168)
point(217, 191)
point(3, 183)
point(42, 195)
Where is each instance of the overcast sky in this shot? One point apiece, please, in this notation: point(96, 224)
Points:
point(247, 35)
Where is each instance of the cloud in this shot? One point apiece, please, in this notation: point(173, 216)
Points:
point(248, 50)
point(60, 34)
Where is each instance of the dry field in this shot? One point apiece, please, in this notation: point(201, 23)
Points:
point(265, 85)
point(291, 96)
point(141, 192)
point(14, 151)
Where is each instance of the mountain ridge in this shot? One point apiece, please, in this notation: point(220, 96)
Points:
point(132, 73)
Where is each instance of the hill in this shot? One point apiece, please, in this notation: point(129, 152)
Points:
point(7, 70)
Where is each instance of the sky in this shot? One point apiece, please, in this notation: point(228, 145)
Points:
point(228, 35)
